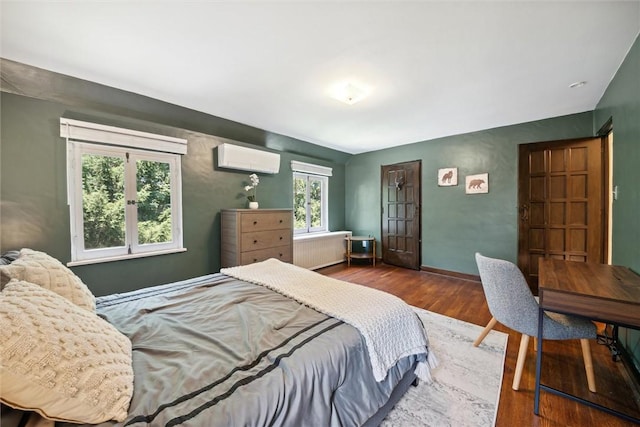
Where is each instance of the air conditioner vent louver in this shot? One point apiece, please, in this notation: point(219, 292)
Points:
point(248, 159)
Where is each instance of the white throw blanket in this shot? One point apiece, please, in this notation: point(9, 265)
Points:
point(390, 327)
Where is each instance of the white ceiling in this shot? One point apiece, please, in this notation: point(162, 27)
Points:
point(435, 68)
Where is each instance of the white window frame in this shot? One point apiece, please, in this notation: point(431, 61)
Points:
point(171, 149)
point(309, 172)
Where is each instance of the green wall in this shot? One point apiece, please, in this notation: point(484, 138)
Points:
point(33, 207)
point(456, 225)
point(621, 102)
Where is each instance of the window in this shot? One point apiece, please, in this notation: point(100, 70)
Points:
point(310, 197)
point(124, 202)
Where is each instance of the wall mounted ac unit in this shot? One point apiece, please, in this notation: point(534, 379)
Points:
point(247, 159)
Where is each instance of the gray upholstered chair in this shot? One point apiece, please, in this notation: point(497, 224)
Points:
point(512, 304)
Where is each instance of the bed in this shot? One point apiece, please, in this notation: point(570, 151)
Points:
point(223, 350)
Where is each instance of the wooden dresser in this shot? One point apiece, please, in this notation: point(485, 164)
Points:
point(253, 235)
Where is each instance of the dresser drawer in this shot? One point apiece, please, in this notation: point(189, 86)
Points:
point(265, 239)
point(251, 222)
point(283, 253)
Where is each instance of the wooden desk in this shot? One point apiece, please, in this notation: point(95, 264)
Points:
point(605, 293)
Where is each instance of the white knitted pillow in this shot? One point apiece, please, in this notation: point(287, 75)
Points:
point(59, 360)
point(46, 271)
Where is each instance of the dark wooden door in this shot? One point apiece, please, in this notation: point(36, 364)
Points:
point(401, 214)
point(561, 201)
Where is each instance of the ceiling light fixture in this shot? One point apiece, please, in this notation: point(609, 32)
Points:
point(577, 84)
point(349, 92)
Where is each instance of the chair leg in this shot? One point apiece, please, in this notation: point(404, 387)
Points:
point(588, 364)
point(485, 331)
point(522, 355)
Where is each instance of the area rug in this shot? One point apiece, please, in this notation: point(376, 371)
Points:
point(466, 384)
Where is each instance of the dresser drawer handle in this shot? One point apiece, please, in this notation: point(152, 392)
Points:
point(280, 221)
point(255, 241)
point(280, 237)
point(255, 222)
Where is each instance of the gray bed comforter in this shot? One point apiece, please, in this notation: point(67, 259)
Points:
point(216, 351)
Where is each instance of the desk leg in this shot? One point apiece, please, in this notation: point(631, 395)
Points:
point(536, 402)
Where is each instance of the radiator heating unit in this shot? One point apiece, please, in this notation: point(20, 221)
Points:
point(314, 251)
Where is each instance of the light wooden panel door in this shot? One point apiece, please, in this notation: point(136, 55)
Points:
point(401, 214)
point(561, 202)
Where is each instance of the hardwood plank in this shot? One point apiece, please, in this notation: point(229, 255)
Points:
point(562, 368)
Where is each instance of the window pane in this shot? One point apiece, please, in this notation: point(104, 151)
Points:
point(299, 203)
point(153, 184)
point(103, 201)
point(315, 200)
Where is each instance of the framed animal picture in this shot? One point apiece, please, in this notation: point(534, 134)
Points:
point(476, 184)
point(447, 177)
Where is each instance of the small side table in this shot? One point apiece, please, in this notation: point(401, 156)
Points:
point(370, 252)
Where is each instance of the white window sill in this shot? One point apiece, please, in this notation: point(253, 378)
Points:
point(123, 257)
point(320, 235)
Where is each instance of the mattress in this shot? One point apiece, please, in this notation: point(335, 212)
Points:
point(217, 351)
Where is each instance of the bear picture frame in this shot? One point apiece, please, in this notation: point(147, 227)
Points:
point(477, 184)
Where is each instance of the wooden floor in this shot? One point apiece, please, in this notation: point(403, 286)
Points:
point(562, 363)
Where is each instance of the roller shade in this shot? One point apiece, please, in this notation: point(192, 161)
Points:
point(93, 132)
point(311, 168)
